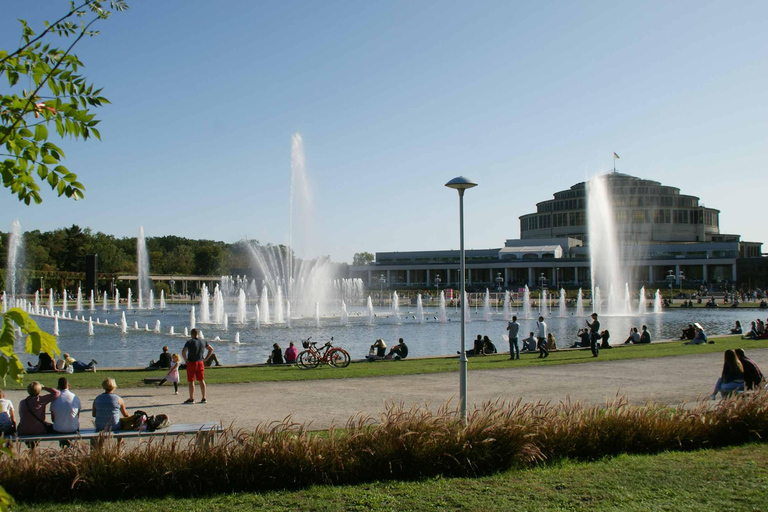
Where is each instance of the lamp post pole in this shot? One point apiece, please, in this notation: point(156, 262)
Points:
point(461, 184)
point(499, 280)
point(437, 289)
point(382, 280)
point(671, 279)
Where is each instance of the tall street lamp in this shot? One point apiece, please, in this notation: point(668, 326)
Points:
point(437, 288)
point(671, 281)
point(499, 281)
point(382, 280)
point(461, 184)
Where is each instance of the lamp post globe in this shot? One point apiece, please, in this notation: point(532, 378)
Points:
point(460, 183)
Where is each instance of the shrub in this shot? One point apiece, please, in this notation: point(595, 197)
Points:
point(403, 444)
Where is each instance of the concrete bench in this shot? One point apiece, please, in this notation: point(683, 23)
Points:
point(91, 434)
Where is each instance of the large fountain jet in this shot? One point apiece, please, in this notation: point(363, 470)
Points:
point(14, 262)
point(605, 256)
point(142, 258)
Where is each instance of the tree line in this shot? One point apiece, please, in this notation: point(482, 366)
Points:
point(60, 254)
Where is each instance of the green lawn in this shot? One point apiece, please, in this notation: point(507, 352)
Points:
point(727, 479)
point(406, 367)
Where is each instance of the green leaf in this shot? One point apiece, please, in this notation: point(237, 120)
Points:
point(50, 159)
point(41, 132)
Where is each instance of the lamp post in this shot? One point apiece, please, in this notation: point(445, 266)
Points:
point(680, 277)
point(543, 281)
point(461, 184)
point(671, 280)
point(382, 280)
point(499, 281)
point(437, 288)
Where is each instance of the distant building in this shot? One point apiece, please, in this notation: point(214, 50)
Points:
point(662, 232)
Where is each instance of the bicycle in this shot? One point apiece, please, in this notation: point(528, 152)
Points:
point(312, 357)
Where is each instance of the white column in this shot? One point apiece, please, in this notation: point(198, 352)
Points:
point(408, 277)
point(704, 275)
point(650, 274)
point(733, 272)
point(370, 278)
point(530, 277)
point(429, 281)
point(448, 277)
point(388, 278)
point(677, 274)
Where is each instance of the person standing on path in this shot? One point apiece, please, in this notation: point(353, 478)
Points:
point(514, 348)
point(541, 338)
point(195, 360)
point(594, 334)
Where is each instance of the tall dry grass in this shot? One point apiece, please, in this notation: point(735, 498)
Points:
point(401, 444)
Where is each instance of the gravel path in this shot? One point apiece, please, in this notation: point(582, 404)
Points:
point(322, 403)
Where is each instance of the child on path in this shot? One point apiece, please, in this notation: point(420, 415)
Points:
point(173, 374)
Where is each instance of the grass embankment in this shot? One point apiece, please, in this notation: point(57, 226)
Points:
point(724, 479)
point(133, 378)
point(407, 445)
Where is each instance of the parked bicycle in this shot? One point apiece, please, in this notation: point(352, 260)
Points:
point(312, 356)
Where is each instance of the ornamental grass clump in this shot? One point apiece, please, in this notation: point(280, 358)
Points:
point(401, 444)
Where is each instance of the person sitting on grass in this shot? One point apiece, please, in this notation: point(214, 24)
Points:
point(529, 343)
point(291, 353)
point(604, 337)
point(44, 364)
point(488, 346)
point(399, 351)
point(732, 377)
point(753, 377)
point(551, 341)
point(276, 357)
point(163, 362)
point(377, 351)
point(211, 359)
point(645, 336)
point(752, 334)
point(634, 336)
point(699, 338)
point(688, 333)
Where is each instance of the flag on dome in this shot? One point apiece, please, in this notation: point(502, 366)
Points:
point(615, 155)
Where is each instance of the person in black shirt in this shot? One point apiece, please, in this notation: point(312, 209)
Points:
point(277, 355)
point(163, 362)
point(44, 364)
point(399, 351)
point(594, 334)
point(193, 356)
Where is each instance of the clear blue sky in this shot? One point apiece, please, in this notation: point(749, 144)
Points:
point(393, 99)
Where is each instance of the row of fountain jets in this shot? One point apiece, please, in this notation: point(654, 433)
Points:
point(212, 308)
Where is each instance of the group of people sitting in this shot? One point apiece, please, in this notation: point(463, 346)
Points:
point(757, 330)
point(276, 357)
point(638, 338)
point(481, 347)
point(739, 373)
point(67, 364)
point(378, 351)
point(107, 410)
point(695, 335)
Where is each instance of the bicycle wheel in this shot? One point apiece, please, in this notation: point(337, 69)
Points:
point(307, 360)
point(339, 358)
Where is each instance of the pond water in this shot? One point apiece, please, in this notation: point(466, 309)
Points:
point(111, 348)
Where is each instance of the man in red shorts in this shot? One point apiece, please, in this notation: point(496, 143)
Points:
point(195, 360)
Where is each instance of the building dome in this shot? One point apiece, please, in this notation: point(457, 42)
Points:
point(645, 211)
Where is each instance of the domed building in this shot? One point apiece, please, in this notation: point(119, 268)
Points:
point(645, 211)
point(664, 238)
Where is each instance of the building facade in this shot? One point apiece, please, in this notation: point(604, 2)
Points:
point(661, 232)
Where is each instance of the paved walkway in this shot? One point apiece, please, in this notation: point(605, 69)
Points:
point(322, 403)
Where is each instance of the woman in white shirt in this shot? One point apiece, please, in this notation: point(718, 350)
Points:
point(7, 416)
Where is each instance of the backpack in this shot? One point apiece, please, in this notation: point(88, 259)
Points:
point(158, 422)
